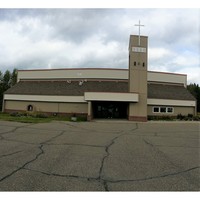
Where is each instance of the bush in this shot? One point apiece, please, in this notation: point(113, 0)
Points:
point(41, 115)
point(180, 116)
point(15, 114)
point(196, 118)
point(164, 117)
point(190, 115)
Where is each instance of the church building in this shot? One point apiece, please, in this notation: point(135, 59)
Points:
point(133, 94)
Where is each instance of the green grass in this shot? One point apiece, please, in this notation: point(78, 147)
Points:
point(31, 119)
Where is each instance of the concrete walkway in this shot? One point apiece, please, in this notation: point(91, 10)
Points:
point(100, 156)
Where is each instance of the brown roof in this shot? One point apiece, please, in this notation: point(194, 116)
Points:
point(155, 91)
point(166, 91)
point(65, 88)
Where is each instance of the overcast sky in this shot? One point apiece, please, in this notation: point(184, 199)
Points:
point(86, 38)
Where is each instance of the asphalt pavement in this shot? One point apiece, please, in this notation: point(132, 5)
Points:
point(100, 156)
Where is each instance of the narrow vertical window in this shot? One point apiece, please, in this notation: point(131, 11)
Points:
point(29, 108)
point(143, 64)
point(134, 63)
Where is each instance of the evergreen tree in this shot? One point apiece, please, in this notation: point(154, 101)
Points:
point(6, 80)
point(14, 77)
point(1, 89)
point(195, 91)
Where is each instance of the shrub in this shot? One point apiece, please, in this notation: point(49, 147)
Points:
point(41, 115)
point(15, 114)
point(190, 115)
point(180, 116)
point(196, 118)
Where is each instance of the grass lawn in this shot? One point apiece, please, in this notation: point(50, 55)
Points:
point(31, 119)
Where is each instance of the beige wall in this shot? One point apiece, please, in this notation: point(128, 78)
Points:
point(177, 110)
point(167, 78)
point(99, 73)
point(73, 73)
point(47, 106)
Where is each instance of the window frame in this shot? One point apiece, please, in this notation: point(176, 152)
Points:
point(162, 107)
point(170, 108)
point(156, 107)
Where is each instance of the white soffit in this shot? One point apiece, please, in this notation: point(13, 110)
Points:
point(44, 98)
point(169, 102)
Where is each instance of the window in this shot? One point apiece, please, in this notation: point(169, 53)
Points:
point(29, 108)
point(163, 109)
point(143, 64)
point(170, 110)
point(134, 63)
point(156, 109)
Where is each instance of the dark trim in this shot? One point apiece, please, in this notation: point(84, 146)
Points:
point(89, 118)
point(49, 113)
point(137, 118)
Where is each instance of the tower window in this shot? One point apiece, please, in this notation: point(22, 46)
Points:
point(143, 64)
point(134, 63)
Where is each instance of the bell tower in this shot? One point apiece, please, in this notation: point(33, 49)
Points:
point(138, 63)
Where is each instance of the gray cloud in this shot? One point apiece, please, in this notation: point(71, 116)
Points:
point(57, 38)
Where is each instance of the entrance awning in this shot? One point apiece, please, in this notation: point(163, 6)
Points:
point(105, 96)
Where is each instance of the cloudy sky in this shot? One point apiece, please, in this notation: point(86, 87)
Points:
point(69, 38)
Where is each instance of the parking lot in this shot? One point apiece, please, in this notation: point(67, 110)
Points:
point(100, 156)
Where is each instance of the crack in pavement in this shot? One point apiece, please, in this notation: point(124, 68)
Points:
point(155, 177)
point(99, 178)
point(107, 154)
point(157, 145)
point(28, 162)
point(11, 131)
point(10, 154)
point(75, 144)
point(71, 177)
point(179, 168)
point(61, 175)
point(54, 137)
point(87, 129)
point(12, 140)
point(24, 165)
point(14, 129)
point(162, 153)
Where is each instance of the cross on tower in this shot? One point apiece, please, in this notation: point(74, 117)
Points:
point(139, 31)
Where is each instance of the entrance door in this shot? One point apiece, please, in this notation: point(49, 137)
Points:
point(109, 109)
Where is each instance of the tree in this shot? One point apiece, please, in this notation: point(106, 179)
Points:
point(195, 91)
point(7, 80)
point(14, 77)
point(1, 89)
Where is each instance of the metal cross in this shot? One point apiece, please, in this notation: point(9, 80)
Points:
point(139, 31)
